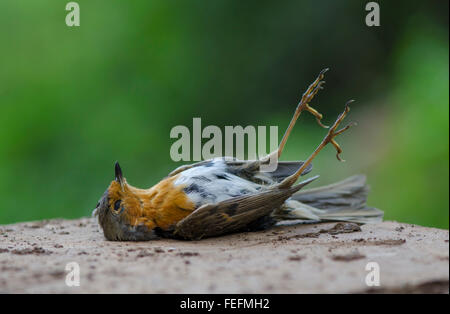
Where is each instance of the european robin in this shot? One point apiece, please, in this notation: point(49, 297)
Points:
point(225, 195)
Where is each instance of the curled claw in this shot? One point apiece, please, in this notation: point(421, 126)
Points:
point(348, 126)
point(333, 133)
point(338, 150)
point(323, 72)
point(321, 124)
point(340, 118)
point(316, 114)
point(315, 90)
point(312, 90)
point(313, 111)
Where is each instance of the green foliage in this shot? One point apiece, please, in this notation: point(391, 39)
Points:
point(412, 184)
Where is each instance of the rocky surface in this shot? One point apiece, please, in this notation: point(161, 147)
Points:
point(319, 258)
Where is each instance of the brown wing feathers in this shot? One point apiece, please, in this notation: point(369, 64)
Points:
point(233, 214)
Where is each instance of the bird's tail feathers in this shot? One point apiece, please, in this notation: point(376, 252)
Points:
point(341, 201)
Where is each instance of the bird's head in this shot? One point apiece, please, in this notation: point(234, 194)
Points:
point(116, 209)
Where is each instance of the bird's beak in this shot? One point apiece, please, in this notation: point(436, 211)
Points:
point(118, 175)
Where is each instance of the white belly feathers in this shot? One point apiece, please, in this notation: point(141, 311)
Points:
point(212, 182)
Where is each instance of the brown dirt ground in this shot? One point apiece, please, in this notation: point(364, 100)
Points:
point(320, 258)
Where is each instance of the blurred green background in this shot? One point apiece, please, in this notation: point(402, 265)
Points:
point(75, 100)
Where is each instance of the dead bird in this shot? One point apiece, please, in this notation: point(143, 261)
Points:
point(225, 195)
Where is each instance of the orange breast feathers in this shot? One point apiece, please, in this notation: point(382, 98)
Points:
point(163, 205)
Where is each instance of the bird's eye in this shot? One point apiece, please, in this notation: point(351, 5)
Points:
point(116, 205)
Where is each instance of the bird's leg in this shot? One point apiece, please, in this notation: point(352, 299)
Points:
point(329, 138)
point(304, 105)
